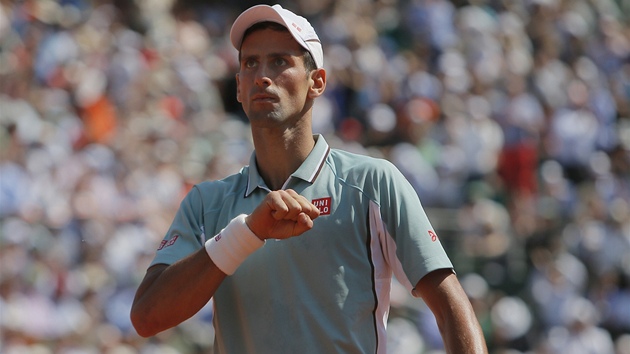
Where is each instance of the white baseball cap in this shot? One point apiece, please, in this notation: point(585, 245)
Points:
point(298, 26)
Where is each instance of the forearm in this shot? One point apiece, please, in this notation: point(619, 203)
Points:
point(169, 295)
point(175, 294)
point(462, 334)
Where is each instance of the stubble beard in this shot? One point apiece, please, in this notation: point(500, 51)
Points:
point(266, 118)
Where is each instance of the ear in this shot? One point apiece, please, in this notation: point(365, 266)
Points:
point(318, 86)
point(238, 89)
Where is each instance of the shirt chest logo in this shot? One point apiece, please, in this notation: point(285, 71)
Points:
point(324, 205)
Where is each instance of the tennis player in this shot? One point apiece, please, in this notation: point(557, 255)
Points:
point(298, 249)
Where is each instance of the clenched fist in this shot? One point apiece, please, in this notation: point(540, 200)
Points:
point(282, 214)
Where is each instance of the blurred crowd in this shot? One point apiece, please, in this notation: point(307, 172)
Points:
point(510, 118)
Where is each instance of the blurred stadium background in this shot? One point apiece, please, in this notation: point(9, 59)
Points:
point(510, 118)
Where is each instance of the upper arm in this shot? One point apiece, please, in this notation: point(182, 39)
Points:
point(443, 294)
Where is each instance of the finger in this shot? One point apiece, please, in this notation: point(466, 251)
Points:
point(313, 212)
point(304, 219)
point(305, 205)
point(294, 203)
point(303, 224)
point(308, 208)
point(277, 204)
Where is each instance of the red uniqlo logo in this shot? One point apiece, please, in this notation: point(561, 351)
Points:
point(324, 205)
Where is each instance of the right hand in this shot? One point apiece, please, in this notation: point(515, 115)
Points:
point(282, 214)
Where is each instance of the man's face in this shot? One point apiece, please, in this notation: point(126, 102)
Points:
point(272, 85)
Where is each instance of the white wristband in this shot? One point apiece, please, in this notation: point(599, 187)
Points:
point(232, 245)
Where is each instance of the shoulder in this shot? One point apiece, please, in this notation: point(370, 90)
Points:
point(216, 191)
point(346, 163)
point(375, 177)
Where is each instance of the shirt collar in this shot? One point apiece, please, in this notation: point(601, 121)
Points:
point(308, 171)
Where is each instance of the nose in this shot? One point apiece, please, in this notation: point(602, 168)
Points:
point(262, 77)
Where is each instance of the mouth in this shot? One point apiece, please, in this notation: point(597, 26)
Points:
point(264, 98)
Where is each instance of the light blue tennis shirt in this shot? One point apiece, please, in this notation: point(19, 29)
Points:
point(327, 290)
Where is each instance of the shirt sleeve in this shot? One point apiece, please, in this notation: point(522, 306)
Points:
point(418, 247)
point(186, 233)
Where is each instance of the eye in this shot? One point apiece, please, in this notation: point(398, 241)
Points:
point(279, 61)
point(249, 63)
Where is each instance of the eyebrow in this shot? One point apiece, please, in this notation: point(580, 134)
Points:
point(270, 55)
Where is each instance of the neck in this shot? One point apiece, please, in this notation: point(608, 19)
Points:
point(279, 154)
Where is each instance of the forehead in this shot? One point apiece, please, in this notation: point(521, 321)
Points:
point(270, 40)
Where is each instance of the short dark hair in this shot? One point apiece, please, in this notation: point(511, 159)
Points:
point(309, 61)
